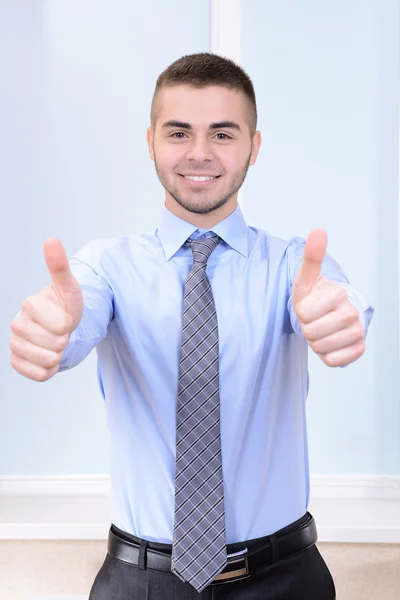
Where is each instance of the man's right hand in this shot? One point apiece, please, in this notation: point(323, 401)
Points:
point(47, 319)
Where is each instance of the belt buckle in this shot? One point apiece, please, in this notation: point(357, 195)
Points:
point(237, 571)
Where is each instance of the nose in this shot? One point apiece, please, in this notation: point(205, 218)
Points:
point(199, 150)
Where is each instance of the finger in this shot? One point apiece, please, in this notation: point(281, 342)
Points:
point(24, 327)
point(30, 370)
point(345, 356)
point(34, 354)
point(331, 322)
point(338, 340)
point(324, 298)
point(47, 313)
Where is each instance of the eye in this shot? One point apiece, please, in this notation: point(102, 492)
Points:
point(177, 135)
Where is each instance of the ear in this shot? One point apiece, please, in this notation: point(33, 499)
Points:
point(255, 147)
point(149, 137)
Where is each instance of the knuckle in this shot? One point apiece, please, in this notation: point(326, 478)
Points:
point(348, 316)
point(62, 326)
point(359, 330)
point(16, 326)
point(52, 360)
point(43, 375)
point(13, 342)
point(318, 346)
point(61, 342)
point(14, 361)
point(354, 313)
point(59, 329)
point(361, 348)
point(15, 345)
point(341, 294)
point(40, 374)
point(330, 360)
point(27, 303)
point(308, 332)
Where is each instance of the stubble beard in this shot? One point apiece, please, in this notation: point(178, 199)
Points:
point(199, 201)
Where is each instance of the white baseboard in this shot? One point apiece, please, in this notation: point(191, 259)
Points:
point(347, 508)
point(356, 508)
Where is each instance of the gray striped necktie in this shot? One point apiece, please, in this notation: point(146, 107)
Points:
point(199, 544)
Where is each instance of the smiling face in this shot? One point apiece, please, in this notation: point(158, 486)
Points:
point(202, 132)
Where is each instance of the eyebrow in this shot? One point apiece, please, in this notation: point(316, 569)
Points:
point(220, 125)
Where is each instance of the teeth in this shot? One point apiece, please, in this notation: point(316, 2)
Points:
point(199, 178)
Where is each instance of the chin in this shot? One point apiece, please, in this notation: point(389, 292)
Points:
point(197, 204)
point(201, 208)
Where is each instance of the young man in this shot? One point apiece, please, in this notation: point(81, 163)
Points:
point(202, 329)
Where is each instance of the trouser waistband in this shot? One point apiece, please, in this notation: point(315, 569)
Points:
point(244, 559)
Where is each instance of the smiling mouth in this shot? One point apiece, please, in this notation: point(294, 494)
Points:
point(199, 180)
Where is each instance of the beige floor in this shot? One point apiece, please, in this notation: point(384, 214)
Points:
point(28, 568)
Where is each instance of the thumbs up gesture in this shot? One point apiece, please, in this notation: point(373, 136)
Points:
point(328, 320)
point(42, 328)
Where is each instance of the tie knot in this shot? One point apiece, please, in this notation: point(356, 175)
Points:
point(202, 248)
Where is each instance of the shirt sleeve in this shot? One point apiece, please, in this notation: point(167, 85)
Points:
point(331, 270)
point(97, 313)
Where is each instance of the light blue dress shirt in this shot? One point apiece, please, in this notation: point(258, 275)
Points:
point(133, 292)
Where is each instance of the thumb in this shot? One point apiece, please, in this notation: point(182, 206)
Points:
point(310, 268)
point(57, 263)
point(65, 286)
point(66, 289)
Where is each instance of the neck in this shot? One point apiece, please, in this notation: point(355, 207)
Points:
point(202, 221)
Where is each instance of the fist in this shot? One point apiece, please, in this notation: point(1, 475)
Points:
point(328, 320)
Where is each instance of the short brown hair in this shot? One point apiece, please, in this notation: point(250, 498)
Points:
point(201, 70)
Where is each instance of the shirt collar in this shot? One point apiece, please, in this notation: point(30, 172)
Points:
point(174, 231)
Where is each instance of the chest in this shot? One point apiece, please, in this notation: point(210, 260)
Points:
point(250, 301)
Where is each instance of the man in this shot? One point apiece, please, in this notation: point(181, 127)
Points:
point(202, 330)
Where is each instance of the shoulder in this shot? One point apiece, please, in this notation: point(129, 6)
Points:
point(101, 252)
point(99, 247)
point(291, 249)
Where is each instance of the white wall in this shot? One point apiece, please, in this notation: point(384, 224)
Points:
point(77, 80)
point(327, 82)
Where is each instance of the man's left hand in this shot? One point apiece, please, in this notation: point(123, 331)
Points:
point(329, 321)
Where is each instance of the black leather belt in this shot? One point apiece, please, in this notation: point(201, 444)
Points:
point(241, 564)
